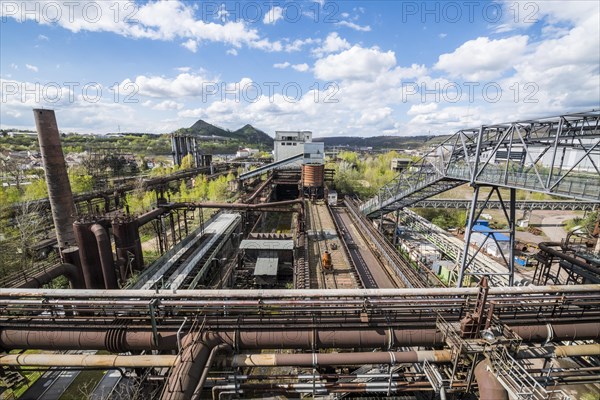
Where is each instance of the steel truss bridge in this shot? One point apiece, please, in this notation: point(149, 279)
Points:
point(196, 323)
point(562, 205)
point(557, 156)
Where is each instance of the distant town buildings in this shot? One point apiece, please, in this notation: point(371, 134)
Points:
point(246, 152)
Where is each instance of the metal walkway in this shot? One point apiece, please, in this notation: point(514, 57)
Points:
point(514, 155)
point(562, 205)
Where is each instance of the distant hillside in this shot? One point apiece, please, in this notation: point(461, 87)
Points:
point(380, 142)
point(247, 135)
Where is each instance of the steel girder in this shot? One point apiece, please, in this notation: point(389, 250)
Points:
point(557, 155)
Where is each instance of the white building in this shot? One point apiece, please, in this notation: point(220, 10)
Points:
point(245, 152)
point(292, 143)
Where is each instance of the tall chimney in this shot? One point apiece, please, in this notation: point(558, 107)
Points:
point(59, 188)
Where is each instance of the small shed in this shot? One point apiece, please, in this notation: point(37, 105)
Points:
point(494, 243)
point(332, 198)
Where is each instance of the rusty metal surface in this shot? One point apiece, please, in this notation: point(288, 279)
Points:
point(313, 175)
point(59, 188)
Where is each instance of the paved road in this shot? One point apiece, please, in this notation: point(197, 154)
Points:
point(552, 225)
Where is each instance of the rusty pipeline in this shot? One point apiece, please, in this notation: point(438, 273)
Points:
point(489, 386)
point(106, 257)
point(70, 271)
point(89, 255)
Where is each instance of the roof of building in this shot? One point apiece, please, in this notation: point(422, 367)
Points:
point(266, 264)
point(486, 229)
point(267, 244)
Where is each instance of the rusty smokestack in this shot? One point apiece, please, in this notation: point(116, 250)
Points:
point(59, 188)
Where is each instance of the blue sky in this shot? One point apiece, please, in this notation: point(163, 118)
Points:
point(360, 68)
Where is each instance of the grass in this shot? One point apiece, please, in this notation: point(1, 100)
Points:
point(83, 385)
point(30, 377)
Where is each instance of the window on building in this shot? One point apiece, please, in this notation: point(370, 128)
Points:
point(295, 143)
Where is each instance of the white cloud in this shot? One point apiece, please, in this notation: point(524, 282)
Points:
point(191, 45)
point(375, 116)
point(183, 69)
point(332, 44)
point(354, 64)
point(298, 67)
point(442, 35)
point(301, 67)
point(157, 20)
point(297, 44)
point(14, 66)
point(31, 67)
point(232, 52)
point(168, 105)
point(483, 58)
point(426, 108)
point(184, 84)
point(43, 37)
point(354, 26)
point(273, 15)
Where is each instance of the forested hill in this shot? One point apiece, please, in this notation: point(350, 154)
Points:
point(380, 142)
point(246, 134)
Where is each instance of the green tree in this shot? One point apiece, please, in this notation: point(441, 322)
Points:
point(36, 190)
point(81, 183)
point(187, 162)
point(217, 189)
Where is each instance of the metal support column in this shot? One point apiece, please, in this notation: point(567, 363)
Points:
point(468, 230)
point(511, 225)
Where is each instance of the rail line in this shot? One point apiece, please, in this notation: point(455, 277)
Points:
point(400, 270)
point(363, 260)
point(326, 236)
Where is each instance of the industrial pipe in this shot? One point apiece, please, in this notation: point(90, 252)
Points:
point(127, 241)
point(198, 390)
point(120, 340)
point(489, 386)
point(106, 257)
point(87, 360)
point(391, 357)
point(188, 368)
point(57, 179)
point(151, 215)
point(300, 293)
point(547, 247)
point(240, 206)
point(259, 190)
point(89, 255)
point(329, 359)
point(560, 351)
point(70, 271)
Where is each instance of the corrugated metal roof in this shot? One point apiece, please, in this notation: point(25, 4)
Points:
point(266, 264)
point(254, 244)
point(485, 229)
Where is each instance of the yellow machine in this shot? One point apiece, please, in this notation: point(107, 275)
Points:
point(326, 261)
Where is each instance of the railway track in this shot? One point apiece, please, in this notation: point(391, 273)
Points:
point(399, 270)
point(324, 236)
point(363, 261)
